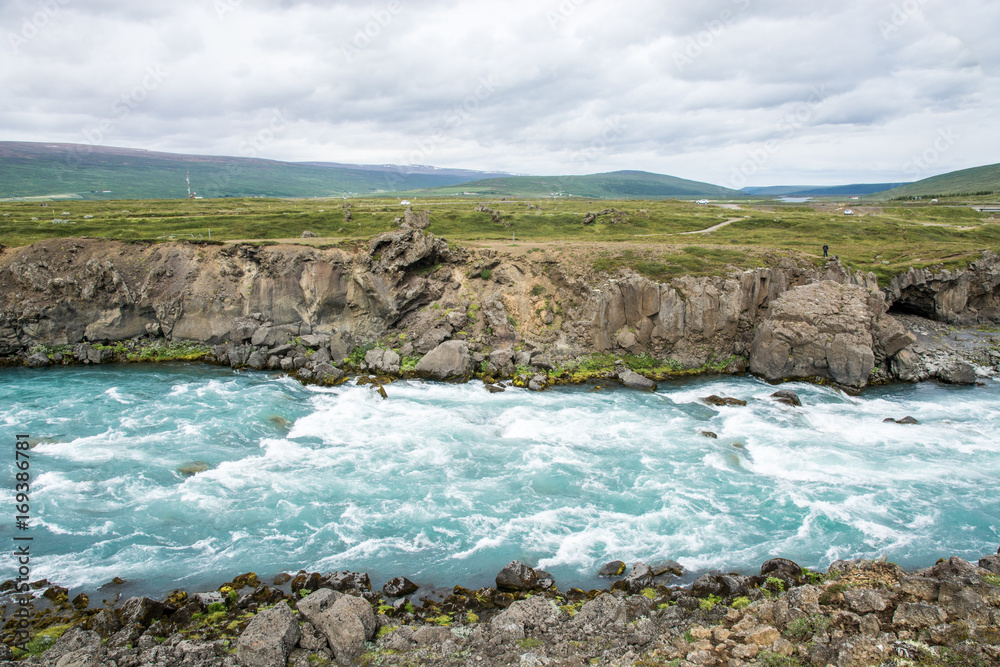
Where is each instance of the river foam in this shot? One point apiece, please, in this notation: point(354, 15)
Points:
point(447, 483)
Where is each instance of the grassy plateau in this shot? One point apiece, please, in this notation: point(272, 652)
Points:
point(651, 237)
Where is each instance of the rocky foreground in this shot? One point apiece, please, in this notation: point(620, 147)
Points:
point(857, 614)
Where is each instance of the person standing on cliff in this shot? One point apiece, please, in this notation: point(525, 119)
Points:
point(826, 250)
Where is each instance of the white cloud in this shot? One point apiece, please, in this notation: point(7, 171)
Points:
point(832, 91)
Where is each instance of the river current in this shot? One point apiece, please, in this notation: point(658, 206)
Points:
point(447, 483)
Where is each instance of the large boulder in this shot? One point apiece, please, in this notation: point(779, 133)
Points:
point(269, 638)
point(517, 576)
point(826, 329)
point(382, 361)
point(958, 373)
point(449, 360)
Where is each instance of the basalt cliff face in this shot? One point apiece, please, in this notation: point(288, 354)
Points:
point(409, 292)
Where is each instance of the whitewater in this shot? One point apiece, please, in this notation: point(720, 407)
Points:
point(446, 483)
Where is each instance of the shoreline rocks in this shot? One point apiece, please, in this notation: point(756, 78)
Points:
point(855, 613)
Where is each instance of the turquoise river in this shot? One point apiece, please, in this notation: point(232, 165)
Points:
point(446, 483)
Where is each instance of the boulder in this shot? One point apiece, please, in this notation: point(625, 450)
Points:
point(346, 581)
point(449, 360)
point(76, 648)
point(37, 360)
point(615, 568)
point(275, 335)
point(633, 380)
point(517, 576)
point(347, 625)
point(141, 611)
point(269, 638)
point(957, 373)
point(991, 563)
point(242, 330)
point(720, 401)
point(638, 579)
point(784, 569)
point(314, 604)
point(399, 587)
point(787, 397)
point(603, 611)
point(382, 361)
point(826, 329)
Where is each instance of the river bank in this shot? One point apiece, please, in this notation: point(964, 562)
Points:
point(856, 613)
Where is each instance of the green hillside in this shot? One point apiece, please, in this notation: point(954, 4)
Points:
point(966, 181)
point(613, 185)
point(99, 173)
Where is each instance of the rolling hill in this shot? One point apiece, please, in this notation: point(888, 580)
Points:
point(612, 185)
point(821, 190)
point(964, 181)
point(100, 172)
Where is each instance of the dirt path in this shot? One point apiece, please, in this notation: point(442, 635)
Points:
point(714, 227)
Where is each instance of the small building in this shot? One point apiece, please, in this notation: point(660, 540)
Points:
point(848, 211)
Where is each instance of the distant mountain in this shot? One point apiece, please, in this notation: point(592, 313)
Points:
point(820, 190)
point(965, 181)
point(103, 172)
point(613, 185)
point(463, 174)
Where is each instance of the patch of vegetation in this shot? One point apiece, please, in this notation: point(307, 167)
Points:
point(740, 603)
point(769, 659)
point(649, 593)
point(528, 643)
point(803, 628)
point(993, 579)
point(706, 604)
point(42, 641)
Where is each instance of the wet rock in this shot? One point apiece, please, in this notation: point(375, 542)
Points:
point(613, 569)
point(192, 468)
point(495, 388)
point(538, 382)
point(346, 581)
point(719, 401)
point(268, 639)
point(517, 576)
point(957, 373)
point(399, 587)
point(784, 569)
point(638, 579)
point(787, 397)
point(709, 434)
point(257, 360)
point(449, 360)
point(38, 360)
point(633, 380)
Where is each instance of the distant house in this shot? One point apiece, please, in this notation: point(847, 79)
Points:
point(855, 198)
point(701, 201)
point(848, 211)
point(405, 202)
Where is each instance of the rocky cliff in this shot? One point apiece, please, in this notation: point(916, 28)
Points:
point(409, 292)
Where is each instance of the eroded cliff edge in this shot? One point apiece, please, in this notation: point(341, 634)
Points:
point(410, 293)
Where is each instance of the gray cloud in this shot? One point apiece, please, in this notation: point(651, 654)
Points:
point(829, 92)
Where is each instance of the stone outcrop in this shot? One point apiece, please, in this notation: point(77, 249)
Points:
point(964, 296)
point(303, 310)
point(828, 330)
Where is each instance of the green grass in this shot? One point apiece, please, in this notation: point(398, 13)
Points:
point(885, 241)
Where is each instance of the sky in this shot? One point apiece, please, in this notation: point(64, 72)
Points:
point(732, 92)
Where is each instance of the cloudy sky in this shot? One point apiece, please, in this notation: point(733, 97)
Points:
point(734, 92)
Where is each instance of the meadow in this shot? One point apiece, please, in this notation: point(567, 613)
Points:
point(645, 236)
